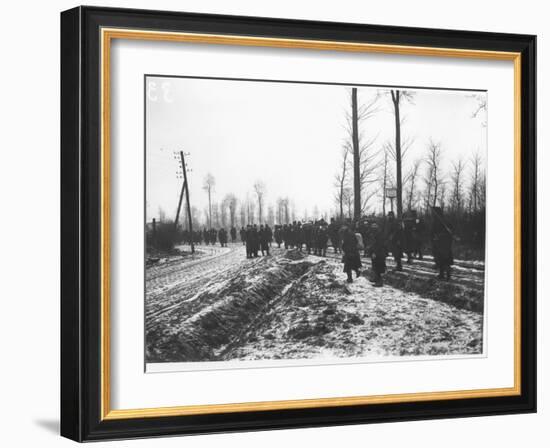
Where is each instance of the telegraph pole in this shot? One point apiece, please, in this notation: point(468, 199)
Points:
point(185, 189)
point(186, 185)
point(179, 207)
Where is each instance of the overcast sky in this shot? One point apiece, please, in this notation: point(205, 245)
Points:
point(288, 135)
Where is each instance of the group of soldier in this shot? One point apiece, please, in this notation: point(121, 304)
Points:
point(256, 239)
point(399, 237)
point(210, 236)
point(312, 235)
point(373, 237)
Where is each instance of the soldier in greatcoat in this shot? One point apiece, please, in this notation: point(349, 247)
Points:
point(269, 234)
point(254, 240)
point(278, 234)
point(395, 240)
point(378, 253)
point(307, 230)
point(264, 237)
point(351, 256)
point(321, 241)
point(333, 235)
point(222, 237)
point(249, 241)
point(298, 236)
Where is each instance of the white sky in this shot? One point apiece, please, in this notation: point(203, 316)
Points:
point(288, 135)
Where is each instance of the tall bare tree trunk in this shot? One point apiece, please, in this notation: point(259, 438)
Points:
point(384, 183)
point(395, 99)
point(209, 209)
point(356, 159)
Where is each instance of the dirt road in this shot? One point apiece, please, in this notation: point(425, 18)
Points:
point(218, 305)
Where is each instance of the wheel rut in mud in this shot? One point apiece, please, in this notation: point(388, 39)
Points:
point(228, 313)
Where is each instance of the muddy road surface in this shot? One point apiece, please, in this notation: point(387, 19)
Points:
point(217, 305)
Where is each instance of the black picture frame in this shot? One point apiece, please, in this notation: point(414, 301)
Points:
point(81, 224)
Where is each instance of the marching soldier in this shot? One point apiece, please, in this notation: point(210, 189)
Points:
point(213, 236)
point(285, 234)
point(222, 237)
point(269, 234)
point(333, 235)
point(298, 236)
point(321, 241)
point(278, 234)
point(264, 239)
point(308, 236)
point(254, 240)
point(395, 240)
point(378, 255)
point(351, 256)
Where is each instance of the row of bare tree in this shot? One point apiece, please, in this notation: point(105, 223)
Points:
point(368, 169)
point(232, 211)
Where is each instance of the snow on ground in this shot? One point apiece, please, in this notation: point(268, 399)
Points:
point(221, 306)
point(326, 317)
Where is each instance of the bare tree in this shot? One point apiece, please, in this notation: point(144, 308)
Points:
point(482, 190)
point(443, 194)
point(428, 188)
point(384, 177)
point(411, 180)
point(251, 212)
point(355, 146)
point(341, 180)
point(162, 215)
point(230, 202)
point(480, 107)
point(475, 182)
point(282, 211)
point(286, 204)
point(369, 158)
point(242, 213)
point(362, 149)
point(216, 215)
point(195, 217)
point(457, 180)
point(397, 98)
point(207, 216)
point(348, 200)
point(435, 176)
point(389, 150)
point(223, 213)
point(208, 186)
point(316, 212)
point(259, 189)
point(270, 215)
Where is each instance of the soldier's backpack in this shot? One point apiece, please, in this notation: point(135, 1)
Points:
point(360, 244)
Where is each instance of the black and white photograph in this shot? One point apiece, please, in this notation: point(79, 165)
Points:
point(297, 222)
point(274, 221)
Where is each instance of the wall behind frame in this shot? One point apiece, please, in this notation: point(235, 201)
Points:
point(29, 182)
